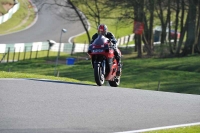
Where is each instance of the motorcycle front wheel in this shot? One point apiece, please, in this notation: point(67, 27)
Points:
point(116, 82)
point(98, 75)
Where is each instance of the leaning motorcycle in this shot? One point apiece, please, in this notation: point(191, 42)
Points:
point(103, 61)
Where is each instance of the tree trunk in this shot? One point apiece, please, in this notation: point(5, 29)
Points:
point(169, 26)
point(150, 29)
point(81, 19)
point(197, 38)
point(139, 16)
point(176, 22)
point(191, 26)
point(183, 28)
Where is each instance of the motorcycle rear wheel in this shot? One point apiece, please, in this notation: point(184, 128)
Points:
point(99, 77)
point(116, 82)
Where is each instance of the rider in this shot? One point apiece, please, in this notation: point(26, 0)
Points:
point(103, 30)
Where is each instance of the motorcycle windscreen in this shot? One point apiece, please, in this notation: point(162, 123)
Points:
point(100, 40)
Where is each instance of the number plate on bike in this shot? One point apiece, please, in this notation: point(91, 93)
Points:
point(97, 50)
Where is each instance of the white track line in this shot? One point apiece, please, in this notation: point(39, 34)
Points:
point(160, 128)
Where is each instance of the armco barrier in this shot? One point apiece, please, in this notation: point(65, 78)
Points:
point(35, 46)
point(125, 39)
point(8, 15)
point(64, 47)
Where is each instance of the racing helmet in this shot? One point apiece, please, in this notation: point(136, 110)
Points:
point(102, 29)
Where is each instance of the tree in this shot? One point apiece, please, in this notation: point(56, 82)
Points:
point(182, 26)
point(144, 11)
point(139, 17)
point(197, 39)
point(192, 27)
point(72, 16)
point(148, 31)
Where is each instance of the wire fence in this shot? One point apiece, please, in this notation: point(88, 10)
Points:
point(13, 53)
point(24, 51)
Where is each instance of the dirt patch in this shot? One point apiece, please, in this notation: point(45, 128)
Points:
point(7, 7)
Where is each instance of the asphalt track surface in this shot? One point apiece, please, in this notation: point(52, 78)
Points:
point(47, 27)
point(37, 106)
point(34, 106)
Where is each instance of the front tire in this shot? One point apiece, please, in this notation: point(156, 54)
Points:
point(116, 82)
point(99, 77)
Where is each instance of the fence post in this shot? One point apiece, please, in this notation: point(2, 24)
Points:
point(31, 53)
point(48, 52)
point(73, 45)
point(58, 73)
point(127, 42)
point(119, 43)
point(19, 53)
point(84, 47)
point(25, 53)
point(3, 57)
point(158, 85)
point(36, 52)
point(8, 54)
point(14, 55)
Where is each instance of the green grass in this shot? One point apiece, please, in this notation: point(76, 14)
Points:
point(24, 13)
point(29, 55)
point(179, 75)
point(174, 74)
point(190, 129)
point(37, 76)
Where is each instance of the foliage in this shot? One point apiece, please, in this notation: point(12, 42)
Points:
point(150, 13)
point(99, 12)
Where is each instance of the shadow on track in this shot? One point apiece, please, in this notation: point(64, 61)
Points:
point(57, 81)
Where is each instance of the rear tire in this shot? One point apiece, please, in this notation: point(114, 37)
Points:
point(99, 77)
point(116, 82)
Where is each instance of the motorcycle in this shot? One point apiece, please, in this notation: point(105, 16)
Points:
point(103, 61)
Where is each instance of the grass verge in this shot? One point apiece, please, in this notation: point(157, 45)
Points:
point(190, 129)
point(20, 20)
point(38, 76)
point(179, 75)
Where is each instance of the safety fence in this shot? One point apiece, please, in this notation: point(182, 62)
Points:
point(8, 15)
point(22, 51)
point(33, 50)
point(125, 39)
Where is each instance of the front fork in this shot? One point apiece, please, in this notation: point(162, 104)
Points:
point(103, 66)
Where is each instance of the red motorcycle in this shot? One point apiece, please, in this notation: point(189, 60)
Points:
point(104, 63)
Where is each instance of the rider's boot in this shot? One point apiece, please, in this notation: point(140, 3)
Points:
point(119, 69)
point(118, 57)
